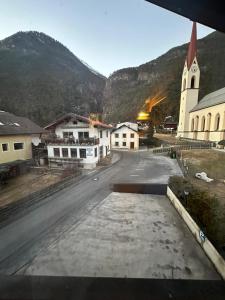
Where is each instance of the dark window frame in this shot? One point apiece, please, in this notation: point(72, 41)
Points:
point(20, 148)
point(72, 151)
point(7, 147)
point(56, 150)
point(83, 150)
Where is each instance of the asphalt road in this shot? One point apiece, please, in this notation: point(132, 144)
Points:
point(21, 240)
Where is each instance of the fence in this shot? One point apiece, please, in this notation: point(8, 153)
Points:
point(176, 148)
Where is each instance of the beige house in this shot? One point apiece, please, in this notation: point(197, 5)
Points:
point(16, 137)
point(199, 119)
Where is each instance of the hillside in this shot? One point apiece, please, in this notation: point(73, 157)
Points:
point(127, 89)
point(41, 79)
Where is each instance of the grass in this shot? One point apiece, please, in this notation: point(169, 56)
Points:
point(211, 162)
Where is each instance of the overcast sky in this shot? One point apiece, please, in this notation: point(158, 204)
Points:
point(107, 34)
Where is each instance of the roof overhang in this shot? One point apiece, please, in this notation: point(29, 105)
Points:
point(207, 12)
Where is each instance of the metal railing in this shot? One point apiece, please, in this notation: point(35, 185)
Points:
point(73, 142)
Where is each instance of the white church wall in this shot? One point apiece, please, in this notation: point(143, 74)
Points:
point(210, 130)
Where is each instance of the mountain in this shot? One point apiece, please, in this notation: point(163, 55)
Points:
point(127, 89)
point(41, 79)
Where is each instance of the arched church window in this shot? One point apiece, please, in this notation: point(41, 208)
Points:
point(217, 122)
point(196, 122)
point(192, 82)
point(192, 124)
point(203, 123)
point(184, 84)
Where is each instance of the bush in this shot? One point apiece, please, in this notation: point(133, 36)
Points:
point(204, 208)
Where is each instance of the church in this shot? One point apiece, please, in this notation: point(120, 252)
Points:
point(203, 119)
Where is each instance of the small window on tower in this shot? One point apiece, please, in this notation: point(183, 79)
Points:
point(192, 82)
point(184, 84)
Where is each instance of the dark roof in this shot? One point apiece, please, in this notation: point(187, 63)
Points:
point(211, 99)
point(14, 125)
point(207, 12)
point(123, 126)
point(72, 116)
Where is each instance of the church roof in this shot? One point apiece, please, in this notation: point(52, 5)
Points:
point(192, 49)
point(211, 99)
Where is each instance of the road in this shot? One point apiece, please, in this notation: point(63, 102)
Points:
point(48, 221)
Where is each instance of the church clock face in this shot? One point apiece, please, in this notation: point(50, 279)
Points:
point(194, 69)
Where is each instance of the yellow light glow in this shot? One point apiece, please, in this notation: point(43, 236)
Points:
point(142, 116)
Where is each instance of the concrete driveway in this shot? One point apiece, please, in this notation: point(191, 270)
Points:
point(126, 235)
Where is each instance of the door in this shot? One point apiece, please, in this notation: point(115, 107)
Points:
point(131, 145)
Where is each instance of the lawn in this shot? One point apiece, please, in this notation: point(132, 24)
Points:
point(213, 163)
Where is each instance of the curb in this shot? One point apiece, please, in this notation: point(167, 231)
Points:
point(216, 259)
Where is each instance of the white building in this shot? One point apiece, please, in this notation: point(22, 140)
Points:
point(125, 137)
point(77, 139)
point(199, 119)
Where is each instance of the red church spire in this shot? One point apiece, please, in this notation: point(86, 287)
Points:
point(192, 49)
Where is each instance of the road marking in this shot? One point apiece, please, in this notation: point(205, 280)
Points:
point(91, 172)
point(139, 169)
point(134, 175)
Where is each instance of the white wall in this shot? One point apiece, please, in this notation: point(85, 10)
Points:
point(128, 138)
point(75, 128)
point(212, 135)
point(105, 140)
point(90, 153)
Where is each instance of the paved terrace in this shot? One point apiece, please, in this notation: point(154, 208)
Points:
point(126, 235)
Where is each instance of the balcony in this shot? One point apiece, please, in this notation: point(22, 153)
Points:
point(73, 142)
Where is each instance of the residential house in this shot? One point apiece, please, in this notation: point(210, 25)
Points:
point(77, 140)
point(16, 137)
point(125, 136)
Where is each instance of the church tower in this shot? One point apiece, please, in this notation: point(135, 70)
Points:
point(189, 86)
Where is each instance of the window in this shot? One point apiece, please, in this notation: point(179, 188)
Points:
point(124, 135)
point(83, 135)
point(67, 134)
point(184, 85)
point(100, 134)
point(5, 147)
point(117, 144)
point(203, 123)
point(83, 153)
point(116, 135)
point(217, 122)
point(132, 135)
point(96, 152)
point(73, 152)
point(192, 124)
point(192, 82)
point(65, 152)
point(18, 146)
point(56, 152)
point(124, 144)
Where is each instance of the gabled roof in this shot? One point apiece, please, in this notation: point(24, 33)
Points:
point(192, 49)
point(211, 99)
point(75, 117)
point(14, 125)
point(124, 126)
